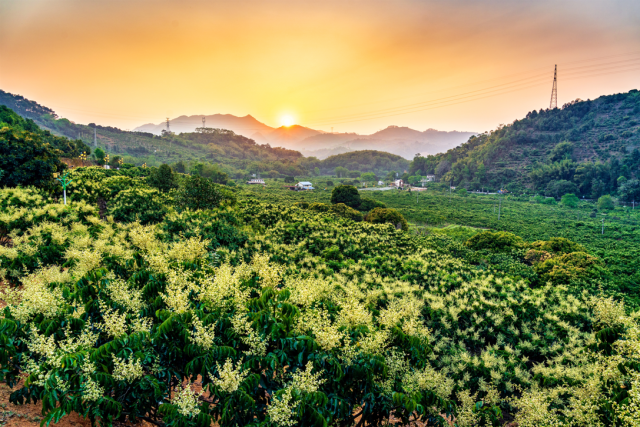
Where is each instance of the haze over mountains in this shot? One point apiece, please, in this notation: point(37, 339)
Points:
point(403, 141)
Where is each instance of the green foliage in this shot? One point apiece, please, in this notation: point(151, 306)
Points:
point(163, 179)
point(332, 319)
point(387, 216)
point(340, 209)
point(558, 245)
point(605, 203)
point(147, 206)
point(570, 200)
point(346, 194)
point(462, 192)
point(367, 204)
point(368, 177)
point(583, 143)
point(289, 179)
point(197, 192)
point(99, 154)
point(500, 241)
point(27, 159)
point(378, 162)
point(213, 172)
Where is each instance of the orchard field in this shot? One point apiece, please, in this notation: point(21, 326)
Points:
point(289, 310)
point(435, 209)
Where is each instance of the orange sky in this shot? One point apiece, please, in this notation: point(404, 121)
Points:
point(356, 65)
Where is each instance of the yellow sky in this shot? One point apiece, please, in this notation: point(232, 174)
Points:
point(354, 65)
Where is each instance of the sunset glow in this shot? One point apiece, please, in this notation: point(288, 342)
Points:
point(355, 66)
point(287, 120)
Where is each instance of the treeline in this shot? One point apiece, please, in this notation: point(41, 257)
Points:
point(591, 144)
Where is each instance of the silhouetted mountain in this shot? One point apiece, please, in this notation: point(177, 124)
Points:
point(398, 132)
point(286, 135)
point(245, 126)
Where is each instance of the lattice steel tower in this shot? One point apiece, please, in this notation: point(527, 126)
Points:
point(168, 129)
point(554, 91)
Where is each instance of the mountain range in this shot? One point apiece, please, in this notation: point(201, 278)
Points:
point(402, 141)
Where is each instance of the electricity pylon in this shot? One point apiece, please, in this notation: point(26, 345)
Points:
point(554, 91)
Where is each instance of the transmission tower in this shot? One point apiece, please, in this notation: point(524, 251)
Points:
point(95, 137)
point(204, 120)
point(168, 129)
point(554, 91)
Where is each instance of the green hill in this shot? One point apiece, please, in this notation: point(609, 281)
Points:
point(584, 147)
point(214, 145)
point(366, 161)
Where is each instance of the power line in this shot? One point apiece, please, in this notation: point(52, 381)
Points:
point(413, 108)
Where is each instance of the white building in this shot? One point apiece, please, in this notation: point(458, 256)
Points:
point(256, 181)
point(398, 183)
point(381, 183)
point(304, 185)
point(431, 178)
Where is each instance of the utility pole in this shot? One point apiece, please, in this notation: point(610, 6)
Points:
point(95, 137)
point(64, 180)
point(602, 225)
point(499, 208)
point(554, 90)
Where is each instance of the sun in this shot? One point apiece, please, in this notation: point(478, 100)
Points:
point(287, 120)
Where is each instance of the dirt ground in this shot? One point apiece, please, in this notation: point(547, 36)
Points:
point(30, 415)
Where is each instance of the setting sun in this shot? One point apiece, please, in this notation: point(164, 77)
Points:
point(287, 120)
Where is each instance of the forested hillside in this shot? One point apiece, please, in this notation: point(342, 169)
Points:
point(366, 161)
point(211, 146)
point(588, 148)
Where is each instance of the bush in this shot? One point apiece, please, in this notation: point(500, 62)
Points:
point(387, 216)
point(139, 204)
point(567, 268)
point(570, 200)
point(289, 179)
point(345, 211)
point(462, 192)
point(498, 241)
point(367, 204)
point(162, 178)
point(605, 203)
point(339, 209)
point(346, 194)
point(558, 245)
point(202, 193)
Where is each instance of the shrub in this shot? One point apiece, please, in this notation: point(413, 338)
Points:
point(499, 241)
point(567, 268)
point(139, 204)
point(346, 194)
point(387, 216)
point(558, 245)
point(462, 192)
point(346, 212)
point(202, 193)
point(570, 200)
point(219, 227)
point(162, 178)
point(367, 204)
point(289, 179)
point(339, 209)
point(605, 203)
